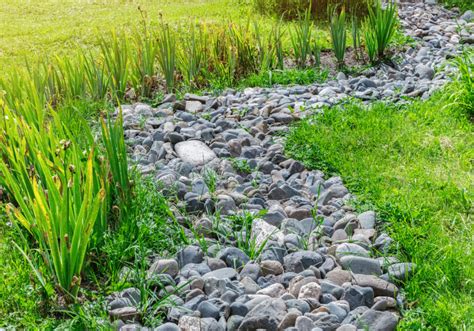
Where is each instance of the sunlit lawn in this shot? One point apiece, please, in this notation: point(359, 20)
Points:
point(40, 28)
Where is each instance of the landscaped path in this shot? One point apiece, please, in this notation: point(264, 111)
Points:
point(322, 266)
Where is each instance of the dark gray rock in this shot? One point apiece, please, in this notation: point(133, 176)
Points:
point(233, 257)
point(234, 322)
point(361, 265)
point(300, 305)
point(207, 309)
point(169, 267)
point(238, 308)
point(468, 16)
point(324, 321)
point(266, 315)
point(358, 296)
point(331, 288)
point(378, 320)
point(189, 254)
point(251, 270)
point(302, 260)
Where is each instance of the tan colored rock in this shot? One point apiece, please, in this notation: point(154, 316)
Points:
point(274, 290)
point(339, 276)
point(271, 267)
point(297, 282)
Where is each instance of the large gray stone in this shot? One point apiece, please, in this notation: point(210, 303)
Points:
point(266, 315)
point(374, 320)
point(233, 257)
point(262, 232)
point(346, 249)
point(169, 267)
point(468, 16)
point(193, 107)
point(367, 219)
point(189, 254)
point(302, 260)
point(361, 265)
point(380, 286)
point(224, 273)
point(195, 152)
point(424, 72)
point(358, 296)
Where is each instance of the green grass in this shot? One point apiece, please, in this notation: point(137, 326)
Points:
point(285, 77)
point(20, 302)
point(38, 28)
point(463, 5)
point(413, 164)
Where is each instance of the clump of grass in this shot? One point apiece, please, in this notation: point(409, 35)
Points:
point(370, 43)
point(223, 61)
point(239, 230)
point(97, 79)
point(241, 165)
point(292, 9)
point(146, 51)
point(381, 23)
point(60, 187)
point(192, 56)
point(285, 77)
point(210, 177)
point(113, 141)
point(167, 58)
point(463, 93)
point(301, 39)
point(277, 45)
point(355, 32)
point(149, 227)
point(58, 198)
point(116, 56)
point(338, 35)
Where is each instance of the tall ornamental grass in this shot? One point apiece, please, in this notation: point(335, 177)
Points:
point(192, 56)
point(116, 152)
point(337, 28)
point(370, 43)
point(293, 9)
point(355, 33)
point(55, 193)
point(301, 39)
point(147, 61)
point(382, 23)
point(60, 186)
point(167, 58)
point(463, 93)
point(116, 56)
